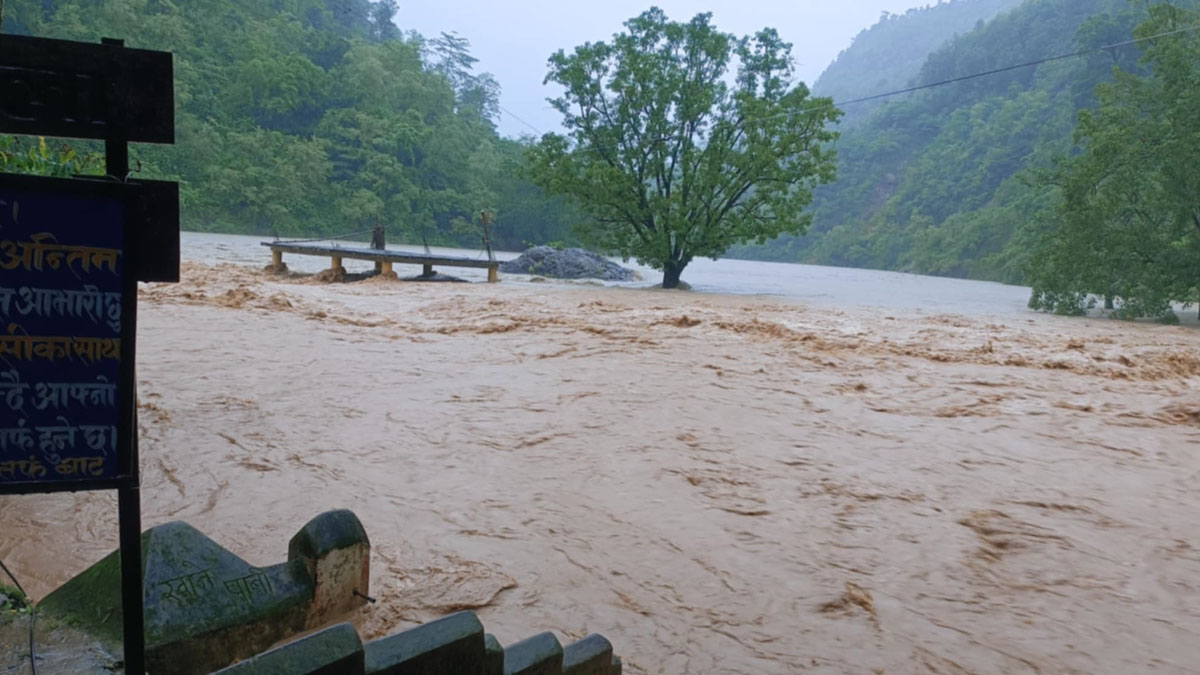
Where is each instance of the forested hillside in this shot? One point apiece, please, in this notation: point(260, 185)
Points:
point(319, 117)
point(888, 55)
point(307, 117)
point(941, 182)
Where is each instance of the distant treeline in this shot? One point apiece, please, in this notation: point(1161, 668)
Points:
point(947, 181)
point(302, 117)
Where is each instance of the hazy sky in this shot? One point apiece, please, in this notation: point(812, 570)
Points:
point(513, 38)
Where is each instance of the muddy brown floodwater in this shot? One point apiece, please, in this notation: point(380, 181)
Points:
point(717, 484)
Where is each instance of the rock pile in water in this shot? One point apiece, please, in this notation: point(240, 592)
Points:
point(567, 263)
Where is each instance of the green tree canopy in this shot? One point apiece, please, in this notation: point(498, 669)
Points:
point(310, 117)
point(672, 159)
point(1130, 208)
point(21, 154)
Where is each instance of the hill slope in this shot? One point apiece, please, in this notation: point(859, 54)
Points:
point(888, 55)
point(933, 183)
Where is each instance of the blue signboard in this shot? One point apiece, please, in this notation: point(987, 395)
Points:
point(63, 295)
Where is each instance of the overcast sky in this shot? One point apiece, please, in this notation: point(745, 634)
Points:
point(513, 38)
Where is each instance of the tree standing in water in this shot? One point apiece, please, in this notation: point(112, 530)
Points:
point(672, 158)
point(1129, 216)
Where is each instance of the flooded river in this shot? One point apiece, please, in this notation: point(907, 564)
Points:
point(817, 470)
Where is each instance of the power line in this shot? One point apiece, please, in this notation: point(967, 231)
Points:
point(963, 78)
point(1019, 66)
point(898, 92)
point(506, 111)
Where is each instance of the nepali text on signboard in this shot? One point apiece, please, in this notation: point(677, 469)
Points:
point(63, 310)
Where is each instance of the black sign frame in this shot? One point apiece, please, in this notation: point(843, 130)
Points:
point(132, 92)
point(126, 448)
point(79, 90)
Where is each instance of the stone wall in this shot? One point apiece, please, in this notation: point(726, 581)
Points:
point(454, 644)
point(205, 607)
point(337, 555)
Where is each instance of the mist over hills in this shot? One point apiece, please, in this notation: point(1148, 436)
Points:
point(937, 181)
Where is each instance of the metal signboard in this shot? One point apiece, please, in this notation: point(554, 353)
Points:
point(67, 303)
point(71, 254)
point(79, 90)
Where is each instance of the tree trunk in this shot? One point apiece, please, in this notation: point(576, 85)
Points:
point(671, 272)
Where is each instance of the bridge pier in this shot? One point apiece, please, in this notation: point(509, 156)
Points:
point(276, 266)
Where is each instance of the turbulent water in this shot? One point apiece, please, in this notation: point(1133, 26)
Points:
point(829, 286)
point(803, 482)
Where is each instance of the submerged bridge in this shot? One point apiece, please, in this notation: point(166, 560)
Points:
point(384, 258)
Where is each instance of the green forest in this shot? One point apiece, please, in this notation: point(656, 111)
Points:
point(951, 180)
point(317, 117)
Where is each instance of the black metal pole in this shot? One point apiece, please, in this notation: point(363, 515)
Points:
point(129, 501)
point(129, 509)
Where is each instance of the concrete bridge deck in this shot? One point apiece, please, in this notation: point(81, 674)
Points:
point(384, 257)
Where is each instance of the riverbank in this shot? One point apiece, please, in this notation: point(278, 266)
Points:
point(719, 484)
point(60, 649)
